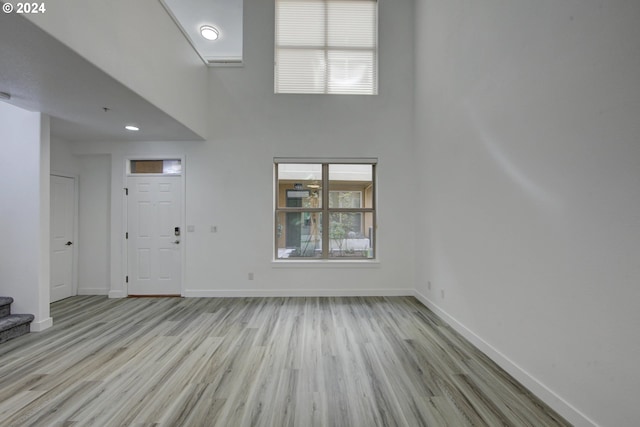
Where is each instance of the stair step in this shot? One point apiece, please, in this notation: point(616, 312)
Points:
point(5, 306)
point(14, 325)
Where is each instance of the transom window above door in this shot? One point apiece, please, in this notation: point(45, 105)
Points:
point(155, 166)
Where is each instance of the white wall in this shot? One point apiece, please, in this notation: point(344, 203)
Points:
point(138, 44)
point(94, 238)
point(527, 120)
point(250, 125)
point(230, 178)
point(24, 212)
point(62, 159)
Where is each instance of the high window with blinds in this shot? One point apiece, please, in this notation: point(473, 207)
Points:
point(326, 46)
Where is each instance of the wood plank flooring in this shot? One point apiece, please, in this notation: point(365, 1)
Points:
point(370, 361)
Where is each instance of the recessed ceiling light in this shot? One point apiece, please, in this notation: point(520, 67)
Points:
point(132, 128)
point(209, 32)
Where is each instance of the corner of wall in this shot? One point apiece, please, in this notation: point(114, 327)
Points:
point(41, 325)
point(44, 279)
point(564, 408)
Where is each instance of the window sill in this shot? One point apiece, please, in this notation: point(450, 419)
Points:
point(326, 263)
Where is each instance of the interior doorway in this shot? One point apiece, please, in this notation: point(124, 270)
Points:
point(62, 244)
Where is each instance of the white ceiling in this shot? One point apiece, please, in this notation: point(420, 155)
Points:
point(225, 15)
point(42, 74)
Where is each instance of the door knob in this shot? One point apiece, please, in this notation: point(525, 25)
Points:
point(177, 242)
point(68, 243)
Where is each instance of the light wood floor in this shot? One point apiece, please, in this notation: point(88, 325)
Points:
point(255, 362)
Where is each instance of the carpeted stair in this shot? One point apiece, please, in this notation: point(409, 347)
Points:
point(12, 325)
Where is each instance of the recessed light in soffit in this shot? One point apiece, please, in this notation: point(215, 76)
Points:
point(224, 16)
point(209, 32)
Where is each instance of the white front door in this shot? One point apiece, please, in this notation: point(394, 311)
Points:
point(62, 224)
point(154, 206)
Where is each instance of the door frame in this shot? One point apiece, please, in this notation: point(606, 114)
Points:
point(125, 215)
point(76, 216)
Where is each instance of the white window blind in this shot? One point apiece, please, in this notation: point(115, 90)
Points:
point(326, 46)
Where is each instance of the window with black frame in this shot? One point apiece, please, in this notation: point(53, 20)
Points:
point(325, 210)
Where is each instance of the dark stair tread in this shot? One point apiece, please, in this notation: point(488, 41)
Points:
point(5, 300)
point(14, 320)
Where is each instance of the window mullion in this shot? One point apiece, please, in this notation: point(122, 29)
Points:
point(276, 194)
point(325, 211)
point(351, 210)
point(300, 210)
point(374, 203)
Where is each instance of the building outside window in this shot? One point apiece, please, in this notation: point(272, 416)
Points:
point(325, 210)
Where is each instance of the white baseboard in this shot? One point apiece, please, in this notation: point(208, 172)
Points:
point(564, 408)
point(117, 294)
point(41, 325)
point(93, 291)
point(234, 293)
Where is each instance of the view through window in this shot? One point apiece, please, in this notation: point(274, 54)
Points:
point(325, 210)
